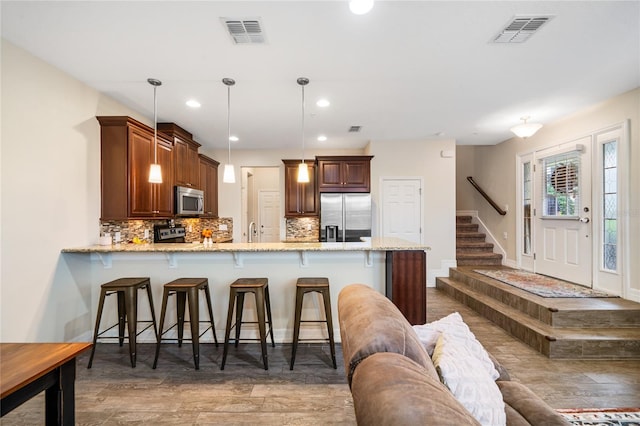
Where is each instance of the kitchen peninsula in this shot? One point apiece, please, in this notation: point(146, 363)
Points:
point(392, 266)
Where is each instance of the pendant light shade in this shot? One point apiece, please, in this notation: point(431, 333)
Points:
point(155, 172)
point(303, 170)
point(229, 175)
point(525, 129)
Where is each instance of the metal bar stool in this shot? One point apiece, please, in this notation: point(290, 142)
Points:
point(309, 285)
point(260, 288)
point(186, 289)
point(127, 291)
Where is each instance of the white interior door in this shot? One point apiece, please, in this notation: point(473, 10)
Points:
point(563, 237)
point(402, 209)
point(269, 211)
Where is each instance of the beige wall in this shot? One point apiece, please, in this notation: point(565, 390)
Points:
point(50, 195)
point(495, 168)
point(423, 159)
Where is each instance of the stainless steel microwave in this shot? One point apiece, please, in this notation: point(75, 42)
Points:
point(189, 201)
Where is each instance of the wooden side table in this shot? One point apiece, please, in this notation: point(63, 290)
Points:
point(26, 369)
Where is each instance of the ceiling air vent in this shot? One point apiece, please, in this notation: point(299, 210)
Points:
point(521, 28)
point(355, 129)
point(245, 30)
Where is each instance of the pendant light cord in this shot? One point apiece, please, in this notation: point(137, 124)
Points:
point(303, 124)
point(155, 125)
point(229, 121)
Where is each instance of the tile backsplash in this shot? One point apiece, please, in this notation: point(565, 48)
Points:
point(194, 226)
point(304, 229)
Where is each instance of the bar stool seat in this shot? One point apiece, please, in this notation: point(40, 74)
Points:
point(260, 288)
point(127, 292)
point(306, 285)
point(186, 289)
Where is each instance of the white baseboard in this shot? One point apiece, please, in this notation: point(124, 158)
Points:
point(432, 274)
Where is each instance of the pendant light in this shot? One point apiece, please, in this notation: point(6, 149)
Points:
point(525, 129)
point(155, 173)
point(229, 175)
point(303, 170)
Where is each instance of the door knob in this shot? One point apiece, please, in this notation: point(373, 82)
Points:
point(584, 219)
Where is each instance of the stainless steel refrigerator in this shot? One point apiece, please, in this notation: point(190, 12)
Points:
point(345, 217)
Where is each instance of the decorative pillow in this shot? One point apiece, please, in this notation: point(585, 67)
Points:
point(469, 381)
point(455, 327)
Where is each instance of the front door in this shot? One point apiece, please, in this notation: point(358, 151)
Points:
point(563, 226)
point(402, 209)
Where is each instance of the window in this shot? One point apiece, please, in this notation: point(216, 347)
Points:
point(526, 208)
point(561, 189)
point(610, 206)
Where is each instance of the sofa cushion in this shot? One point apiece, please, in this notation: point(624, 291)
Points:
point(523, 404)
point(391, 389)
point(456, 329)
point(469, 381)
point(371, 323)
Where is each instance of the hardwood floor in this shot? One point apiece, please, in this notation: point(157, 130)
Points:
point(112, 393)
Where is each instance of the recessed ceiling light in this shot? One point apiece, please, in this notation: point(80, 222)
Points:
point(192, 103)
point(323, 103)
point(360, 7)
point(233, 138)
point(322, 138)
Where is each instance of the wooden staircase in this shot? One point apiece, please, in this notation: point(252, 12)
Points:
point(564, 328)
point(471, 247)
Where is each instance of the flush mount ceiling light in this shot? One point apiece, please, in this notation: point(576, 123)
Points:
point(525, 129)
point(360, 7)
point(155, 173)
point(303, 171)
point(229, 175)
point(192, 103)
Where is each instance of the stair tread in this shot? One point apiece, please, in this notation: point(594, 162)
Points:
point(471, 234)
point(557, 333)
point(473, 244)
point(479, 255)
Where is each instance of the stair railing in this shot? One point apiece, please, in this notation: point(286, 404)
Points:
point(486, 197)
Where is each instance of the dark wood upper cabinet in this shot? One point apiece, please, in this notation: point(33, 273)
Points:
point(209, 184)
point(301, 199)
point(344, 173)
point(185, 155)
point(127, 152)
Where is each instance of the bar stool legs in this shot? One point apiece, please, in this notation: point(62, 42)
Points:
point(127, 294)
point(310, 285)
point(186, 291)
point(259, 287)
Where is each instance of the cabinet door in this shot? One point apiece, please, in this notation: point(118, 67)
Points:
point(329, 176)
point(300, 198)
point(163, 192)
point(193, 168)
point(140, 159)
point(356, 175)
point(209, 184)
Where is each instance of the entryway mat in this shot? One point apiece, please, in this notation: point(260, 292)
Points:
point(540, 285)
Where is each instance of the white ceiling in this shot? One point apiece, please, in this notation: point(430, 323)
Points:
point(414, 70)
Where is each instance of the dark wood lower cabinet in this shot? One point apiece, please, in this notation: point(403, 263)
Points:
point(406, 283)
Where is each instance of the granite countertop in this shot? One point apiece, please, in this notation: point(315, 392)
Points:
point(374, 244)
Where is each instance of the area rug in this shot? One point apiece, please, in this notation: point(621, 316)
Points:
point(540, 285)
point(602, 417)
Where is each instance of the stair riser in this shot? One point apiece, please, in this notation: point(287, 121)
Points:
point(467, 227)
point(463, 219)
point(479, 262)
point(517, 330)
point(470, 238)
point(581, 319)
point(525, 306)
point(474, 250)
point(552, 348)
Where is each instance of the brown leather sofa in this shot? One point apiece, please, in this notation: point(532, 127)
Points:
point(393, 380)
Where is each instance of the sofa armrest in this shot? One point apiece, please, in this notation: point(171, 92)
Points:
point(371, 323)
point(390, 389)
